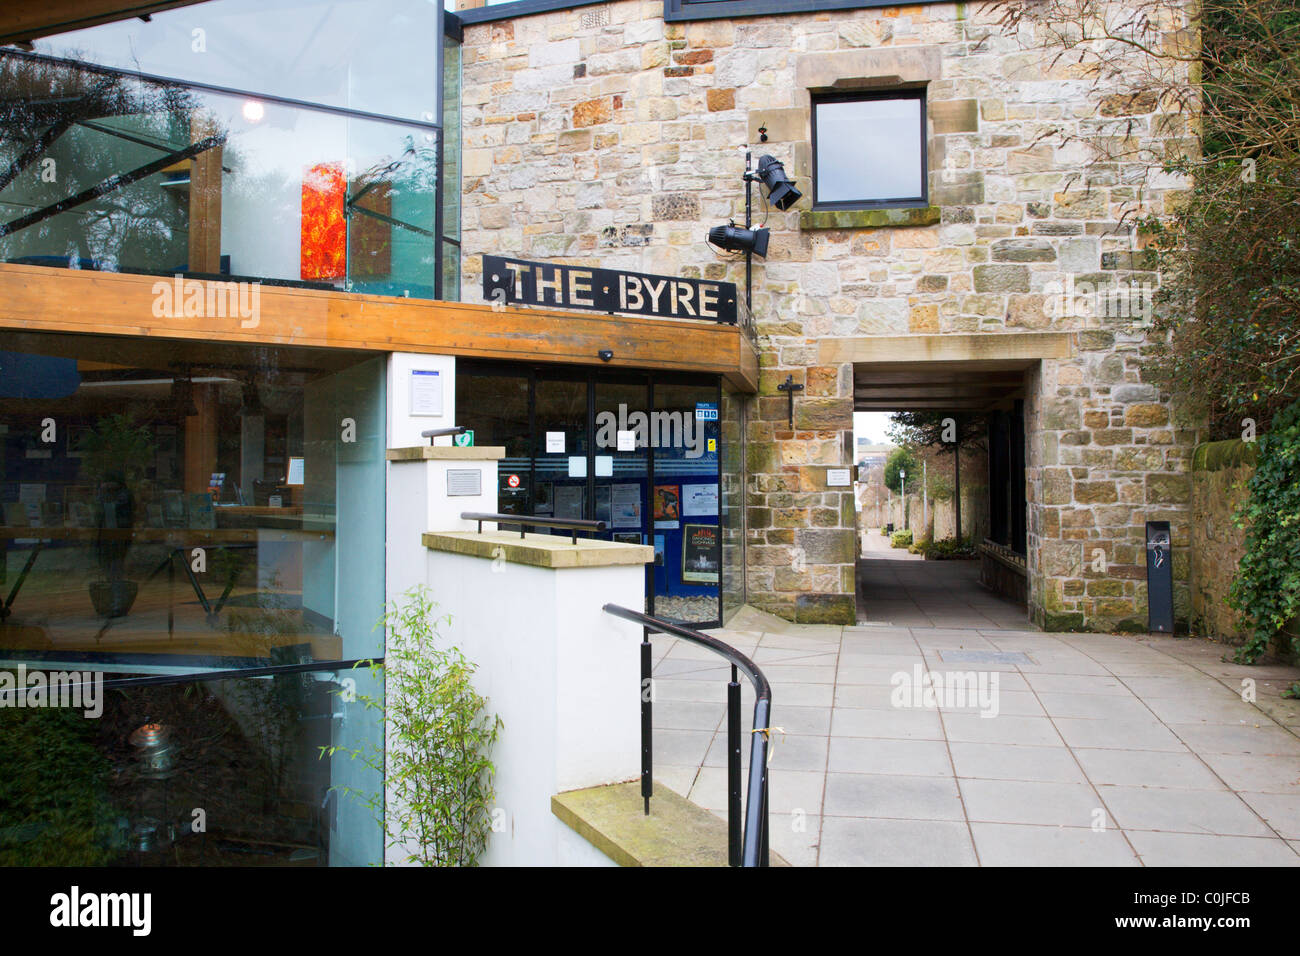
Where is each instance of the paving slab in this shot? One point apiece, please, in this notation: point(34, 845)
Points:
point(1106, 750)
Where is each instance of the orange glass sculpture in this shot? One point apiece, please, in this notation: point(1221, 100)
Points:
point(324, 230)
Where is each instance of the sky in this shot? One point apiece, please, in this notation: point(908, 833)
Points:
point(872, 426)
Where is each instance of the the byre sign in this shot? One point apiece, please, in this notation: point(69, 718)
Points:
point(518, 282)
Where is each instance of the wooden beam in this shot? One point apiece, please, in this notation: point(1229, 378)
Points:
point(27, 21)
point(205, 204)
point(948, 347)
point(36, 298)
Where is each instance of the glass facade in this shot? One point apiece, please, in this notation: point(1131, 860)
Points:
point(173, 511)
point(638, 450)
point(196, 143)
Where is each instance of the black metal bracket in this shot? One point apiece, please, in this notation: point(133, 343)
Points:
point(790, 386)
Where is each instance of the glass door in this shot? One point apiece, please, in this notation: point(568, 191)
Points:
point(684, 502)
point(620, 466)
point(561, 446)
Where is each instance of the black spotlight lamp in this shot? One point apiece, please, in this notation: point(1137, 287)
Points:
point(735, 238)
point(780, 187)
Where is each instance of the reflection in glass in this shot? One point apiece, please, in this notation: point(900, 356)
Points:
point(196, 773)
point(175, 508)
point(338, 53)
point(100, 171)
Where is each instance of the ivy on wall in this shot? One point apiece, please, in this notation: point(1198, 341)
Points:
point(1267, 588)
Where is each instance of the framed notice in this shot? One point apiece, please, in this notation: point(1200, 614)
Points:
point(625, 506)
point(426, 392)
point(700, 554)
point(699, 501)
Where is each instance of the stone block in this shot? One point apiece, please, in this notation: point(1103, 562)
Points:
point(1001, 278)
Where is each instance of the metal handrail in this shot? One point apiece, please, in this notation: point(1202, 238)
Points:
point(234, 673)
point(433, 433)
point(753, 850)
point(573, 525)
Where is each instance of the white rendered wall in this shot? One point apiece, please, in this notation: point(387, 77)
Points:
point(563, 676)
point(418, 502)
point(403, 427)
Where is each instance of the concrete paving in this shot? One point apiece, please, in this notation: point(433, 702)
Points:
point(904, 590)
point(1096, 749)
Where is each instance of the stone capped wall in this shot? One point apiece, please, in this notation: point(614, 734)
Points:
point(604, 136)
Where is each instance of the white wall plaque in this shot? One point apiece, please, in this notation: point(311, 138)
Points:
point(839, 477)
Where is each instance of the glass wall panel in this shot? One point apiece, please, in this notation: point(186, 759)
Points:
point(621, 470)
point(684, 502)
point(561, 445)
point(495, 405)
point(340, 53)
point(175, 508)
point(732, 467)
point(195, 773)
point(657, 484)
point(110, 173)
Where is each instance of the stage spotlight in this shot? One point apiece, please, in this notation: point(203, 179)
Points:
point(780, 188)
point(733, 238)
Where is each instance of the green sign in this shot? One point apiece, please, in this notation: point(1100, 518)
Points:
point(465, 439)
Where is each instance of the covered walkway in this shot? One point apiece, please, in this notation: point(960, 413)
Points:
point(903, 590)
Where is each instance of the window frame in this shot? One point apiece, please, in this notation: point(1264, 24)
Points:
point(917, 93)
point(676, 11)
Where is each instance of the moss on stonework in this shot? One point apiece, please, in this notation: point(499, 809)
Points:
point(867, 218)
point(1130, 625)
point(1054, 621)
point(826, 609)
point(1220, 455)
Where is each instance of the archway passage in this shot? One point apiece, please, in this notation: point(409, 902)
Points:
point(971, 488)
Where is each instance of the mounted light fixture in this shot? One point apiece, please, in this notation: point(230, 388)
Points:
point(735, 238)
point(780, 187)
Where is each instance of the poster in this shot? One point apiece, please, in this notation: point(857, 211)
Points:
point(667, 506)
point(700, 555)
point(625, 506)
point(569, 501)
point(627, 537)
point(659, 550)
point(699, 501)
point(602, 504)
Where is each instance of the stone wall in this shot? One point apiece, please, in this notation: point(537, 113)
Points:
point(605, 136)
point(1219, 474)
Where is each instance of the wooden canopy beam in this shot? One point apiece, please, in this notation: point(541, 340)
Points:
point(37, 298)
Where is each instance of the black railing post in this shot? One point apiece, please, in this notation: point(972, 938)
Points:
point(647, 725)
point(756, 802)
point(754, 841)
point(733, 770)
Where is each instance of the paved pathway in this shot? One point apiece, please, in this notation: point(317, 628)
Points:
point(918, 593)
point(1106, 750)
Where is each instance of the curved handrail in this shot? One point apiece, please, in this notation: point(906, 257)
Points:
point(755, 840)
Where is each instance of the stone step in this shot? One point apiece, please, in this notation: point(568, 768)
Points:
point(676, 832)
